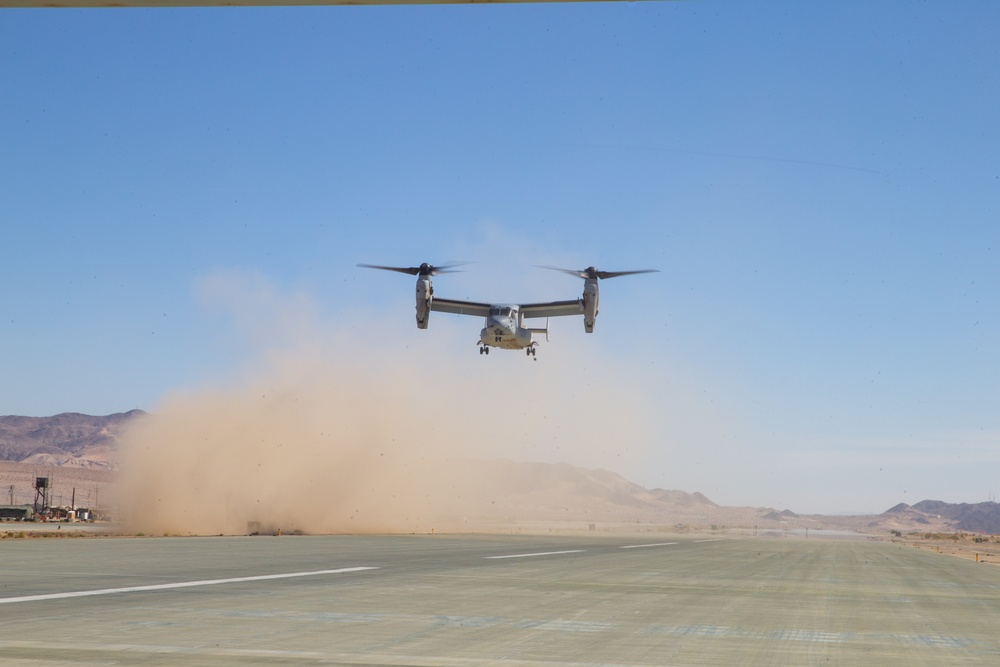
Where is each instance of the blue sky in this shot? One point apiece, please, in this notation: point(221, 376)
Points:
point(819, 184)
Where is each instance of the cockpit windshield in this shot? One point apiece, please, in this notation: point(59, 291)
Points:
point(501, 311)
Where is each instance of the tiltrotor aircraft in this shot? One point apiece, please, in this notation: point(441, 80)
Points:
point(504, 326)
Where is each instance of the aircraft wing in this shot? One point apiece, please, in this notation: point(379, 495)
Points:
point(460, 307)
point(553, 308)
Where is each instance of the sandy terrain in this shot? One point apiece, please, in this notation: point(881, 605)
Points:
point(961, 545)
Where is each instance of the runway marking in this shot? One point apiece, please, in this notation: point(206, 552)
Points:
point(717, 539)
point(179, 584)
point(643, 546)
point(540, 553)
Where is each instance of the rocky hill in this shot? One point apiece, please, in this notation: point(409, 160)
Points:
point(937, 515)
point(67, 439)
point(560, 491)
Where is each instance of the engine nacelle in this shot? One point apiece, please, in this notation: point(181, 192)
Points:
point(425, 294)
point(591, 297)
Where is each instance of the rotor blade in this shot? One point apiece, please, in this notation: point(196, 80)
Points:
point(603, 275)
point(448, 268)
point(591, 272)
point(413, 270)
point(424, 269)
point(578, 274)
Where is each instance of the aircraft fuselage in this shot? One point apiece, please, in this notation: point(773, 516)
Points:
point(502, 329)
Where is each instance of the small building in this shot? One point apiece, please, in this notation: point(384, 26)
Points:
point(16, 513)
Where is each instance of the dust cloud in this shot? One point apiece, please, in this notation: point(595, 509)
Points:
point(339, 433)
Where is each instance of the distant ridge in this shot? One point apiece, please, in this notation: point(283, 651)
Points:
point(937, 515)
point(68, 439)
point(972, 517)
point(898, 509)
point(563, 491)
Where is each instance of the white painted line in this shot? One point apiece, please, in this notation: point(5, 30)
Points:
point(179, 584)
point(717, 539)
point(643, 546)
point(542, 553)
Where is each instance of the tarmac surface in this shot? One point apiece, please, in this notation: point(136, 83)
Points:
point(459, 601)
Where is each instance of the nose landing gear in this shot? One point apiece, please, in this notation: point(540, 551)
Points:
point(483, 349)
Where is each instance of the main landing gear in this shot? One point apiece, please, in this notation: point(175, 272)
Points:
point(531, 352)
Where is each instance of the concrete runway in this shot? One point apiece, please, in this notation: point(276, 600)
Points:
point(459, 601)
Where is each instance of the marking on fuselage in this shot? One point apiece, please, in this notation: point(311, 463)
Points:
point(179, 584)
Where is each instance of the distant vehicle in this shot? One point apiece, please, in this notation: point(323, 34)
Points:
point(504, 322)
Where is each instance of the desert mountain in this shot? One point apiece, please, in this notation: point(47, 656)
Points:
point(67, 439)
point(936, 515)
point(560, 491)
